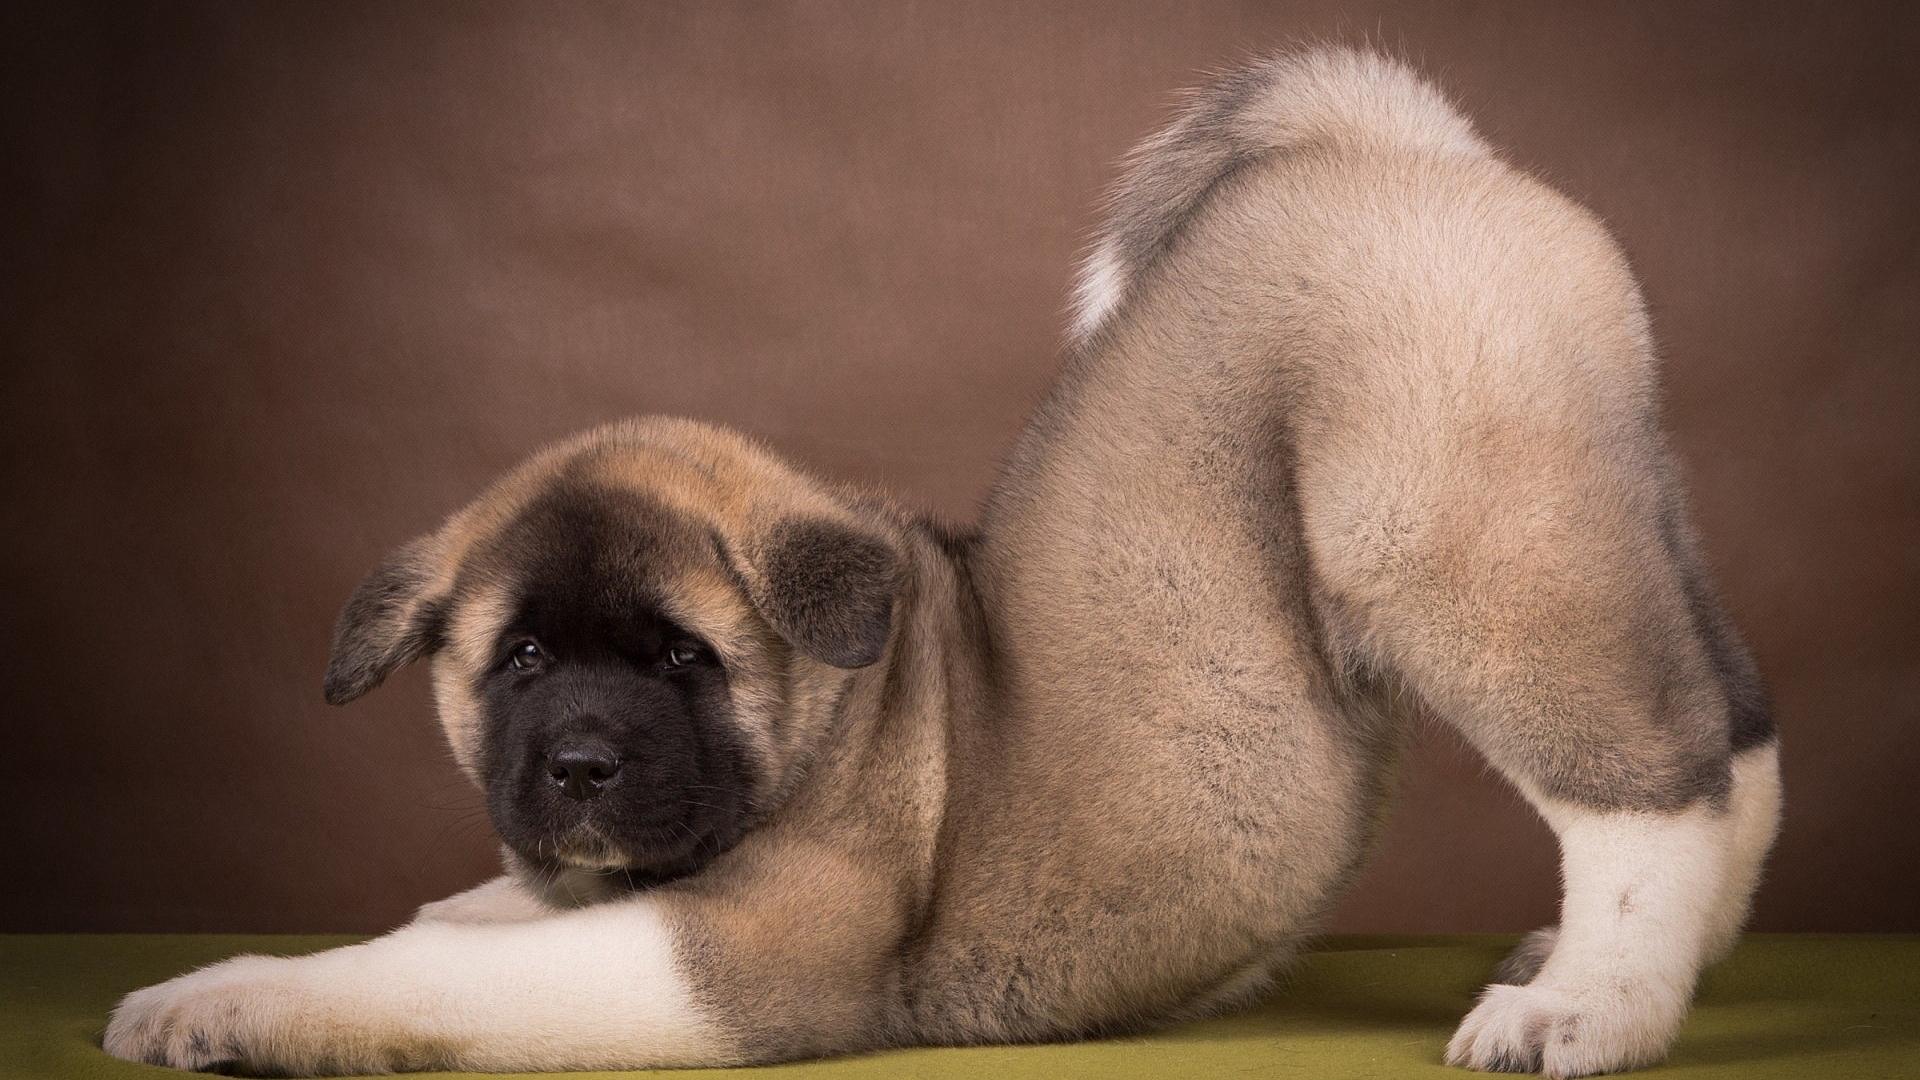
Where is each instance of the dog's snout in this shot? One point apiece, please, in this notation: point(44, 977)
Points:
point(583, 770)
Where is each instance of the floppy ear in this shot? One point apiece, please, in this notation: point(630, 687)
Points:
point(828, 589)
point(388, 623)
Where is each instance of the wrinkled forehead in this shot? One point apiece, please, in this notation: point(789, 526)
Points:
point(587, 550)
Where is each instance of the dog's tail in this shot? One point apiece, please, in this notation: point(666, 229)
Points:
point(1318, 96)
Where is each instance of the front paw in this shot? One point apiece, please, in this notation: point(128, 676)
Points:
point(1558, 1033)
point(227, 1016)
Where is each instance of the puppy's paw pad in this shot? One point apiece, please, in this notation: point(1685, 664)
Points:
point(1549, 1031)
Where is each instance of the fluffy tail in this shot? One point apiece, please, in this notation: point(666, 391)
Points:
point(1322, 95)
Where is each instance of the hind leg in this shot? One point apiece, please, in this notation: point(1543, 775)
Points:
point(1755, 806)
point(1636, 922)
point(1554, 620)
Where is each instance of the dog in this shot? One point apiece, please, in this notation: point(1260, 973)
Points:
point(1355, 419)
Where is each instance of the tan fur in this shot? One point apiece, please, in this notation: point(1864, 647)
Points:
point(1356, 415)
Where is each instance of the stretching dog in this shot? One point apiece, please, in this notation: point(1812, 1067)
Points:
point(1354, 415)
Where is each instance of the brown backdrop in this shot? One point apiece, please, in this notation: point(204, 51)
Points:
point(283, 284)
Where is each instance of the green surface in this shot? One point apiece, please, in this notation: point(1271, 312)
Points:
point(1788, 1006)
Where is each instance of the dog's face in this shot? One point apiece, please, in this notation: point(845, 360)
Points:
point(605, 735)
point(637, 638)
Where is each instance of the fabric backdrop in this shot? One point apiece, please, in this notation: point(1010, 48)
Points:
point(286, 283)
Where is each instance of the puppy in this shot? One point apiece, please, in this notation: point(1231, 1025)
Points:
point(1353, 415)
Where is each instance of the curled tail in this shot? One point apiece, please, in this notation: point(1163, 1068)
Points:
point(1322, 95)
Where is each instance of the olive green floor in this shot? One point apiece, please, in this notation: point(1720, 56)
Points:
point(1786, 1006)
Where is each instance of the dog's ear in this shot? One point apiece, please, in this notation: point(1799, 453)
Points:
point(390, 622)
point(827, 588)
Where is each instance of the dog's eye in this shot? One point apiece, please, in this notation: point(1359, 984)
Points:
point(682, 655)
point(526, 656)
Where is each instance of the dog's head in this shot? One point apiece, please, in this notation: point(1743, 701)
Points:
point(638, 639)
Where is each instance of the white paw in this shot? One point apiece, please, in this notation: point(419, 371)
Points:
point(262, 1014)
point(1560, 1033)
point(222, 1016)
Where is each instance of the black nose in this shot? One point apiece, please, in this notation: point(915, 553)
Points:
point(583, 770)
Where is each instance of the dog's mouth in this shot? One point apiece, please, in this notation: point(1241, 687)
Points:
point(651, 857)
point(585, 849)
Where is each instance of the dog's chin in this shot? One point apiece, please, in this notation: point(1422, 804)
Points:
point(594, 861)
point(584, 848)
point(640, 861)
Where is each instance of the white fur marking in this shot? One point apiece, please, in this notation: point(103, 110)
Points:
point(1102, 282)
point(1754, 806)
point(498, 901)
point(1642, 895)
point(594, 988)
